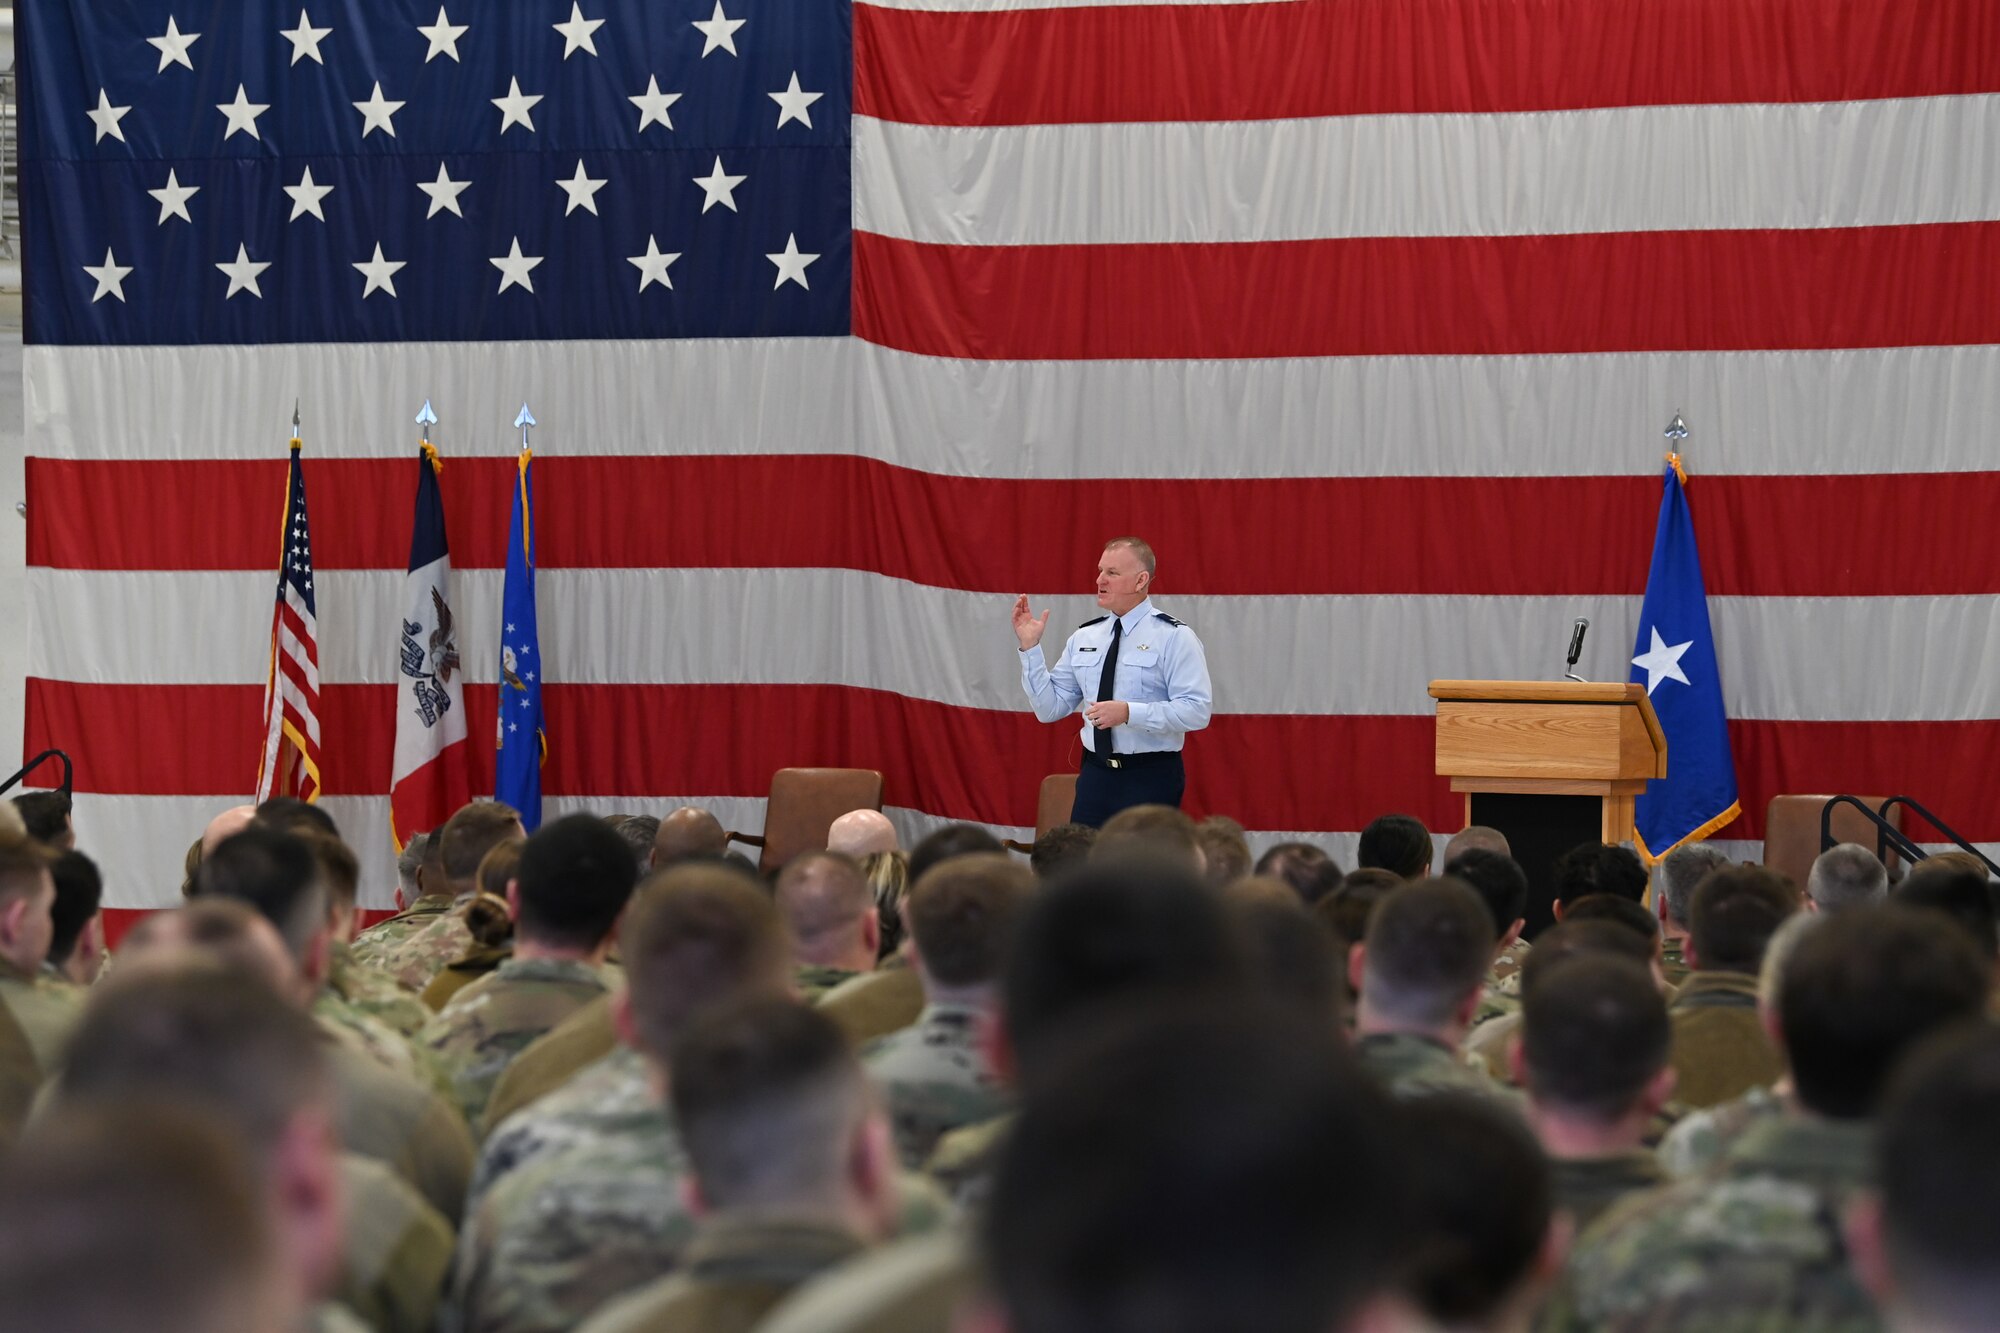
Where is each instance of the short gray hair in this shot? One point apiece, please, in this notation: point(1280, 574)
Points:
point(1139, 548)
point(407, 861)
point(1845, 876)
point(1682, 869)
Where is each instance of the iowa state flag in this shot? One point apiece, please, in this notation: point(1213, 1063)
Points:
point(1674, 658)
point(431, 777)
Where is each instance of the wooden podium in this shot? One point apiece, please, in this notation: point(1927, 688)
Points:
point(1549, 763)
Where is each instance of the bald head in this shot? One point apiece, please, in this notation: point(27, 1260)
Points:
point(226, 826)
point(861, 833)
point(830, 910)
point(225, 931)
point(687, 833)
point(1476, 837)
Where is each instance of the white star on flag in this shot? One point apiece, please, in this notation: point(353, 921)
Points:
point(653, 104)
point(791, 264)
point(444, 192)
point(173, 47)
point(242, 115)
point(1662, 662)
point(719, 30)
point(443, 35)
point(106, 118)
point(515, 267)
point(581, 189)
point(792, 103)
point(242, 272)
point(110, 277)
point(719, 188)
point(173, 197)
point(305, 39)
point(514, 107)
point(375, 113)
point(652, 267)
point(380, 273)
point(306, 196)
point(577, 31)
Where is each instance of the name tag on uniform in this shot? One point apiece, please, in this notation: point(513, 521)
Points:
point(1086, 650)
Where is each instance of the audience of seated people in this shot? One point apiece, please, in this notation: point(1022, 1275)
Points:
point(610, 1078)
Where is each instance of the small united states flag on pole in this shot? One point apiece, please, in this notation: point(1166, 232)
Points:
point(290, 762)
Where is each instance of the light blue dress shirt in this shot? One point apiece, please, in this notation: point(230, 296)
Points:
point(1162, 674)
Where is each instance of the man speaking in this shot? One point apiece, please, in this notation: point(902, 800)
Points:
point(1142, 680)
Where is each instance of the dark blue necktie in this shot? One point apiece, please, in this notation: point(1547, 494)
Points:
point(1106, 681)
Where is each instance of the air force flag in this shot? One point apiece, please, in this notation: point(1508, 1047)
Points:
point(517, 776)
point(1674, 658)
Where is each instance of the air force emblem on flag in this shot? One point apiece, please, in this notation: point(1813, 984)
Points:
point(430, 658)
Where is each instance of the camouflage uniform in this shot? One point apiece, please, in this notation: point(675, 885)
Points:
point(387, 946)
point(553, 1241)
point(1720, 1047)
point(906, 1286)
point(876, 1003)
point(374, 993)
point(1493, 1004)
point(1506, 965)
point(45, 1011)
point(482, 960)
point(397, 1249)
point(1409, 1065)
point(404, 1124)
point(935, 1079)
point(614, 1096)
point(493, 1020)
point(1585, 1187)
point(1673, 960)
point(379, 1042)
point(333, 1317)
point(1755, 1245)
point(1699, 1141)
point(1489, 1043)
point(813, 980)
point(552, 1060)
point(965, 1160)
point(734, 1270)
point(20, 1076)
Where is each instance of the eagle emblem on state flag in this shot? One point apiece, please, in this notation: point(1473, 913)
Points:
point(430, 658)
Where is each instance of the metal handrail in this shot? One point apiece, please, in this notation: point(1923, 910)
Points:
point(1888, 836)
point(1910, 803)
point(69, 772)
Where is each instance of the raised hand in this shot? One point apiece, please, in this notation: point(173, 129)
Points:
point(1027, 629)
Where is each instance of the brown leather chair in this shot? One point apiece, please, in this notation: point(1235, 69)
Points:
point(1052, 807)
point(1791, 832)
point(804, 803)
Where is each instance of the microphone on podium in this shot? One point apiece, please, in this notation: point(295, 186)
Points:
point(1576, 634)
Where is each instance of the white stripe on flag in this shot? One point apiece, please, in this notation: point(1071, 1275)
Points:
point(1784, 658)
point(1652, 168)
point(1761, 413)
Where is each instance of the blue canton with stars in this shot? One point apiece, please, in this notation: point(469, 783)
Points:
point(388, 170)
point(296, 573)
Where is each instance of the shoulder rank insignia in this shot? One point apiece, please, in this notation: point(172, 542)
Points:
point(1162, 615)
point(1099, 620)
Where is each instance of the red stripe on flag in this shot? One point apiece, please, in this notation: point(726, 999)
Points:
point(1435, 296)
point(1305, 773)
point(1372, 57)
point(1896, 534)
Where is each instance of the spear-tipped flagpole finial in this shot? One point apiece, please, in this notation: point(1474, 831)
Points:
point(524, 420)
point(426, 419)
point(1677, 429)
point(295, 416)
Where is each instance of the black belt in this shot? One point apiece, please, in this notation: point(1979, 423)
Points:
point(1123, 761)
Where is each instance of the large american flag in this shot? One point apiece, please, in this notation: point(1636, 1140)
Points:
point(1366, 313)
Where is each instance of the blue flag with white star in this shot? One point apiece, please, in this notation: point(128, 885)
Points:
point(517, 769)
point(1674, 658)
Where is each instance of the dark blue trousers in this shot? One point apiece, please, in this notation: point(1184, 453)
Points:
point(1102, 792)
